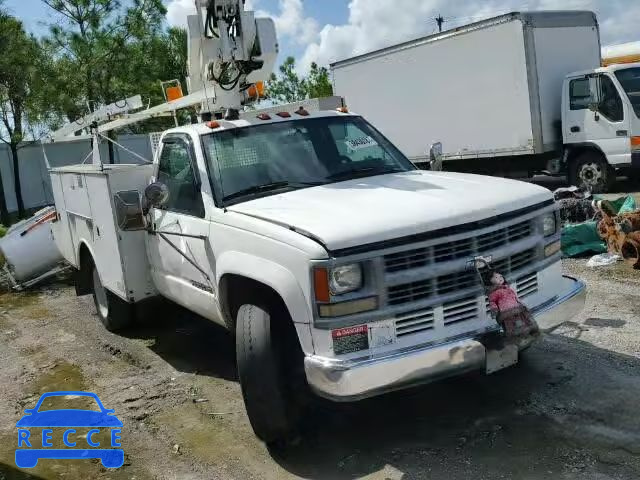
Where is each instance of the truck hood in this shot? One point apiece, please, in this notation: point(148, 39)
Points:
point(384, 207)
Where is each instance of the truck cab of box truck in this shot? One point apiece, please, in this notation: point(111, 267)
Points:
point(601, 125)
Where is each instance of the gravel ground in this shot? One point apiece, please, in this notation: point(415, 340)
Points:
point(569, 410)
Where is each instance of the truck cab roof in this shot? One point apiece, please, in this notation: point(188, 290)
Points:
point(250, 118)
point(610, 69)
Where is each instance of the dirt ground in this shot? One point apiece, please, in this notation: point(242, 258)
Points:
point(569, 410)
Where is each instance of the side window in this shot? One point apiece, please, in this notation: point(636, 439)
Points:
point(610, 103)
point(176, 171)
point(579, 94)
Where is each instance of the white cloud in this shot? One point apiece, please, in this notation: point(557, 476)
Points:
point(177, 11)
point(291, 23)
point(372, 25)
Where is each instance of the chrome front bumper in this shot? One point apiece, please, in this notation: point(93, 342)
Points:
point(347, 380)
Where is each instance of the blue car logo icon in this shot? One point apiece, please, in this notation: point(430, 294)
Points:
point(28, 453)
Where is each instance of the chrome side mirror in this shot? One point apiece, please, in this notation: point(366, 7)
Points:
point(156, 194)
point(128, 209)
point(435, 156)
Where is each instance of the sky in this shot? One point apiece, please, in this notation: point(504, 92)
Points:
point(328, 30)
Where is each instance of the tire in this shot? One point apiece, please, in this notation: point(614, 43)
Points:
point(590, 171)
point(270, 406)
point(114, 313)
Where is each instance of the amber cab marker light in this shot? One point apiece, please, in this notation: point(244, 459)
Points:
point(284, 114)
point(302, 112)
point(321, 284)
point(263, 116)
point(213, 125)
point(342, 110)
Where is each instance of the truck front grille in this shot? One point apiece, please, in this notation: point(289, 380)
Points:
point(409, 292)
point(416, 321)
point(465, 248)
point(460, 311)
point(456, 281)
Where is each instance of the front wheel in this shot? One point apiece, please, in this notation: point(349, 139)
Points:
point(114, 313)
point(270, 406)
point(591, 171)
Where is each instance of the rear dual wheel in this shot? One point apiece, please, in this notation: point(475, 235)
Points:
point(114, 313)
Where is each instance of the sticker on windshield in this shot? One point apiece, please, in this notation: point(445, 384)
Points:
point(355, 144)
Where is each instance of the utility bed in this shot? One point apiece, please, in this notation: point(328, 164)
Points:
point(89, 201)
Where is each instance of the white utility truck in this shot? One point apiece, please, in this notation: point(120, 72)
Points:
point(341, 269)
point(500, 97)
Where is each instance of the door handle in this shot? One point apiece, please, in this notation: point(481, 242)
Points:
point(575, 129)
point(621, 133)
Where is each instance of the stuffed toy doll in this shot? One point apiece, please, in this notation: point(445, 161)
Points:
point(514, 317)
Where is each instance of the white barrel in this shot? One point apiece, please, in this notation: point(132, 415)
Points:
point(29, 248)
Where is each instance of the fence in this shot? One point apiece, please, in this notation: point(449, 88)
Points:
point(34, 178)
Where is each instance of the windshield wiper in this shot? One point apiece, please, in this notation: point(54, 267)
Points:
point(362, 172)
point(268, 187)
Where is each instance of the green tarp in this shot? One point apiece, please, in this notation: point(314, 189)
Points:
point(582, 238)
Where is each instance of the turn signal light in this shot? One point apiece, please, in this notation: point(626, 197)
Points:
point(635, 143)
point(321, 284)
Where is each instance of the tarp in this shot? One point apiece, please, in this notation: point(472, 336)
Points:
point(582, 238)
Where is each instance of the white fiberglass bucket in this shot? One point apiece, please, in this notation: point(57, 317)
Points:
point(29, 248)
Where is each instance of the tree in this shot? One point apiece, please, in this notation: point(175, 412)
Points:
point(290, 87)
point(103, 52)
point(318, 84)
point(17, 77)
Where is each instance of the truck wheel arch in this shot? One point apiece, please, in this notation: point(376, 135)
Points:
point(254, 276)
point(83, 280)
point(576, 149)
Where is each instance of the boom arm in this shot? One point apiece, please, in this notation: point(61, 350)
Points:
point(229, 50)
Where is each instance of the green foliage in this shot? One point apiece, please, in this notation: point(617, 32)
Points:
point(318, 83)
point(288, 86)
point(103, 51)
point(18, 74)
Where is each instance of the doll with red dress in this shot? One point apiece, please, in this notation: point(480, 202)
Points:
point(514, 317)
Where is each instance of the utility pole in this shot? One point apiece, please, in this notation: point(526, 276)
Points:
point(439, 20)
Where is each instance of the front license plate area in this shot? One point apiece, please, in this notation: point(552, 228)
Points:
point(502, 358)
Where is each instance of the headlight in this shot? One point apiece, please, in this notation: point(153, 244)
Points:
point(345, 278)
point(549, 224)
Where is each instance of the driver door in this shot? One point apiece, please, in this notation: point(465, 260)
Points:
point(608, 127)
point(178, 246)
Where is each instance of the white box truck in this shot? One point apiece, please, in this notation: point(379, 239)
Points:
point(492, 94)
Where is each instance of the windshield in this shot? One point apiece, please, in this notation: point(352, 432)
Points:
point(629, 78)
point(267, 159)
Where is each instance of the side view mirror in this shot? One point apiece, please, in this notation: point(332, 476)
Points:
point(435, 156)
point(156, 194)
point(128, 207)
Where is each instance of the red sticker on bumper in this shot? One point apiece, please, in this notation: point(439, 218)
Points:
point(350, 339)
